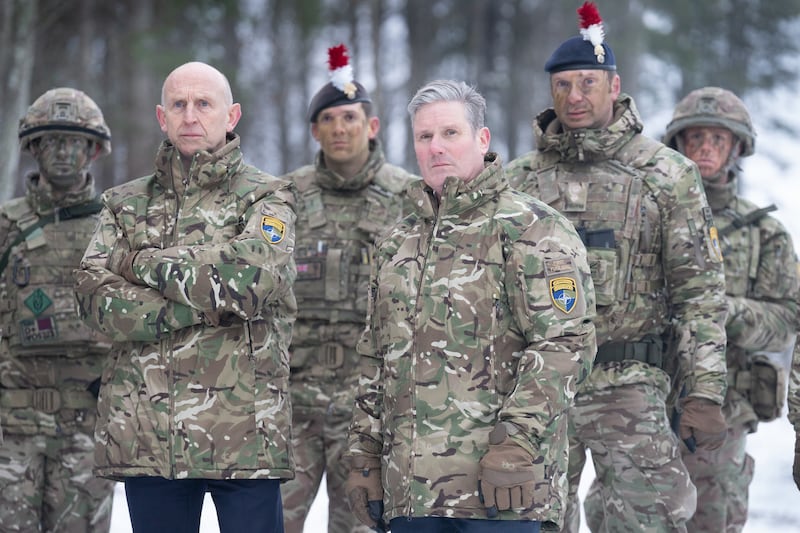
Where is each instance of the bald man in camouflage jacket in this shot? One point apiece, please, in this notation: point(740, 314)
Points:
point(190, 273)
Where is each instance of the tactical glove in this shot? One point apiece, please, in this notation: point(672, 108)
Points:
point(702, 424)
point(796, 466)
point(126, 267)
point(365, 491)
point(507, 478)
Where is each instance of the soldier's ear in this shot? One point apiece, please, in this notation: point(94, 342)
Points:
point(374, 126)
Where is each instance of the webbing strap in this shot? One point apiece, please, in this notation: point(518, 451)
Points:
point(649, 352)
point(64, 213)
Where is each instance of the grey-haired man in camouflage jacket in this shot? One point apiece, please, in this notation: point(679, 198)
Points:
point(478, 335)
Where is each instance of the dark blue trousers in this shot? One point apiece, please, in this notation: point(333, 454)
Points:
point(158, 505)
point(438, 524)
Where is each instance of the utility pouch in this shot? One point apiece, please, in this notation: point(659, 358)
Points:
point(767, 388)
point(604, 268)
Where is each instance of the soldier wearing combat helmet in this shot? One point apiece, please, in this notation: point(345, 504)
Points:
point(658, 277)
point(712, 127)
point(345, 200)
point(50, 362)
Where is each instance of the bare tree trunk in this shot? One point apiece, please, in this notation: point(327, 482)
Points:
point(377, 9)
point(18, 49)
point(144, 91)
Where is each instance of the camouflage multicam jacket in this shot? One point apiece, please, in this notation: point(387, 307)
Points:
point(197, 386)
point(793, 400)
point(652, 246)
point(48, 356)
point(338, 222)
point(762, 280)
point(480, 312)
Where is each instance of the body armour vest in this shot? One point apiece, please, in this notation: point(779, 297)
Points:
point(741, 248)
point(53, 356)
point(335, 237)
point(617, 217)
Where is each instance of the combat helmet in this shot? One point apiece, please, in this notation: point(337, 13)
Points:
point(65, 110)
point(712, 106)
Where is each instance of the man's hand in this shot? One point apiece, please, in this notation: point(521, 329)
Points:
point(796, 466)
point(702, 424)
point(365, 491)
point(507, 475)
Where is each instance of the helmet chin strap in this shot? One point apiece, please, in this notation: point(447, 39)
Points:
point(730, 169)
point(722, 187)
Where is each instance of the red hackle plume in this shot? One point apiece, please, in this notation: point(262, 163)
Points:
point(589, 15)
point(337, 57)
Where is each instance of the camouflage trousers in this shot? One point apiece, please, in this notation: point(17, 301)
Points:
point(722, 478)
point(47, 485)
point(319, 437)
point(641, 483)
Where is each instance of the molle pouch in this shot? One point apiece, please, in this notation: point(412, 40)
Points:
point(48, 323)
point(603, 264)
point(767, 388)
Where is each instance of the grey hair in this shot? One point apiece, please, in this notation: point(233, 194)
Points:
point(451, 91)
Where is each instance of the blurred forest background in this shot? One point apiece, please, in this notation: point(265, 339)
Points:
point(275, 55)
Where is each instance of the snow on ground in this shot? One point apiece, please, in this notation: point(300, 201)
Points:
point(770, 176)
point(774, 499)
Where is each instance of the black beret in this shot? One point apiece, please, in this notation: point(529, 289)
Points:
point(330, 96)
point(576, 53)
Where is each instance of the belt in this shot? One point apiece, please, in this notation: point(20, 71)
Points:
point(650, 352)
point(47, 400)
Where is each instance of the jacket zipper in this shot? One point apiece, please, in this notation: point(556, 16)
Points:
point(415, 351)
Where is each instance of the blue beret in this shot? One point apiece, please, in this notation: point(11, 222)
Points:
point(578, 54)
point(330, 96)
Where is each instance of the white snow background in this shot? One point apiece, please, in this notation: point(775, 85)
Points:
point(772, 175)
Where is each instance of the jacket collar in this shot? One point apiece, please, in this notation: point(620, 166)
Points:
point(458, 195)
point(329, 179)
point(208, 170)
point(44, 199)
point(588, 145)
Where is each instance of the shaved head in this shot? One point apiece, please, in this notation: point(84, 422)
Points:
point(199, 70)
point(197, 110)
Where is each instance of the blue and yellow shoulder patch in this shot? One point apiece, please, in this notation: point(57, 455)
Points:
point(272, 229)
point(564, 293)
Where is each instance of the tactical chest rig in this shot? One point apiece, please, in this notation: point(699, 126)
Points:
point(38, 316)
point(755, 376)
point(333, 254)
point(739, 234)
point(610, 204)
point(336, 232)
